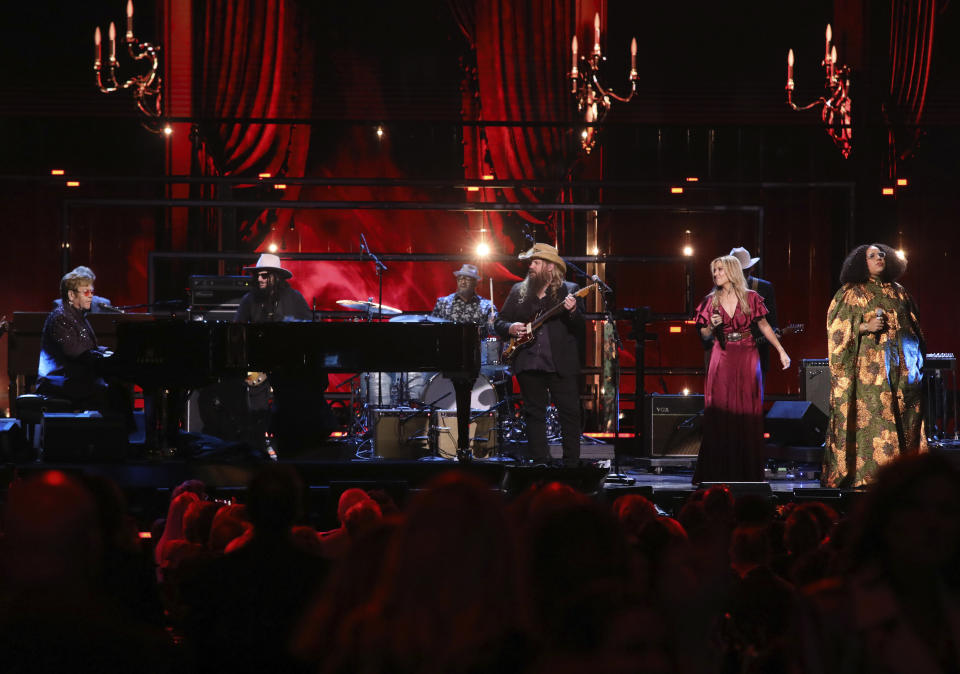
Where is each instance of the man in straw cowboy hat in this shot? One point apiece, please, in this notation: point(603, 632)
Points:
point(551, 363)
point(465, 305)
point(300, 416)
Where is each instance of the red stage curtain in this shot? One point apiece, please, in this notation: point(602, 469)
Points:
point(522, 57)
point(911, 47)
point(253, 62)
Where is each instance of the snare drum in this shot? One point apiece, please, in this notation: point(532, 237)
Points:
point(440, 393)
point(386, 389)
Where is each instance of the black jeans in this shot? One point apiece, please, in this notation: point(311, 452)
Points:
point(565, 394)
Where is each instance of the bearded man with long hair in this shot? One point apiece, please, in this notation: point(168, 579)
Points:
point(550, 364)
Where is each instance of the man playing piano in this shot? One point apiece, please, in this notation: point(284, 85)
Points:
point(300, 418)
point(69, 353)
point(551, 362)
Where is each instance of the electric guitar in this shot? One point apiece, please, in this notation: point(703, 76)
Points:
point(792, 329)
point(516, 343)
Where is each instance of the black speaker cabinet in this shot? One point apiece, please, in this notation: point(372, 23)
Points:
point(797, 423)
point(815, 382)
point(674, 425)
point(83, 436)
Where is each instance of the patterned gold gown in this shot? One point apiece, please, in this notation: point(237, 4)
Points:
point(876, 394)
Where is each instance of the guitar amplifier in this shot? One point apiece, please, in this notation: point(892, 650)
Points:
point(218, 291)
point(673, 425)
point(399, 433)
point(815, 382)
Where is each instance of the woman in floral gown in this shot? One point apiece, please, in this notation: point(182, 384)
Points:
point(732, 447)
point(876, 360)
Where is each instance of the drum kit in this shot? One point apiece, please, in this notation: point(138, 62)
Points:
point(413, 414)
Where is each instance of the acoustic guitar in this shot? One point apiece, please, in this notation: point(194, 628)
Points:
point(516, 343)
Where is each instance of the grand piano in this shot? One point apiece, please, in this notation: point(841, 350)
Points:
point(167, 354)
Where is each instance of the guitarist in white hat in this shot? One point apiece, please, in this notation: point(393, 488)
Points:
point(549, 358)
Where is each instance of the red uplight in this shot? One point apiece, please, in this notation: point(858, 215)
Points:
point(766, 436)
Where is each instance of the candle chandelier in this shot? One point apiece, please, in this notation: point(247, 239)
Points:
point(835, 103)
point(145, 87)
point(593, 99)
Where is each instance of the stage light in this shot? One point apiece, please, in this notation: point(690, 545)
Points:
point(688, 251)
point(280, 186)
point(686, 391)
point(73, 183)
point(901, 254)
point(167, 130)
point(263, 175)
point(674, 329)
point(272, 248)
point(595, 251)
point(693, 179)
point(379, 133)
point(489, 176)
point(676, 190)
point(57, 172)
point(483, 250)
point(887, 191)
point(902, 182)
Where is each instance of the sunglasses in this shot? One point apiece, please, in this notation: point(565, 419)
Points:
point(878, 255)
point(87, 292)
point(263, 274)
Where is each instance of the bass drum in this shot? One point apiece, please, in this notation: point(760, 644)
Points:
point(439, 393)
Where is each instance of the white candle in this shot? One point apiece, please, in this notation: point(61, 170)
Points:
point(596, 33)
point(129, 19)
point(96, 42)
point(112, 33)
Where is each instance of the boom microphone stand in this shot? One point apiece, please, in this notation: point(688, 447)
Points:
point(380, 267)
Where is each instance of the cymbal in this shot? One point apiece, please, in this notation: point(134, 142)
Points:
point(418, 318)
point(364, 305)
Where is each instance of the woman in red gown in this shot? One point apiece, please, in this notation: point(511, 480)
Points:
point(732, 447)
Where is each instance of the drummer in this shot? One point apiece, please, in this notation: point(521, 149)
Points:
point(465, 305)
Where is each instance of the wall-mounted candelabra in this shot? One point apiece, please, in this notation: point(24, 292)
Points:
point(835, 103)
point(593, 99)
point(146, 87)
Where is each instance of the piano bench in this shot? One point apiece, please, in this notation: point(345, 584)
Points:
point(31, 408)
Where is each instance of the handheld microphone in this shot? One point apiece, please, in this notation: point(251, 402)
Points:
point(879, 314)
point(603, 286)
point(718, 331)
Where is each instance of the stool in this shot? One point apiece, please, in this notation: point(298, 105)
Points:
point(30, 410)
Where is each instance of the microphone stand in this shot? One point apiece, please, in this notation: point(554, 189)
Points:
point(380, 267)
point(615, 476)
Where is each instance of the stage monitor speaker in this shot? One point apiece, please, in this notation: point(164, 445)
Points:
point(83, 437)
point(674, 425)
point(796, 423)
point(399, 433)
point(13, 444)
point(815, 382)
